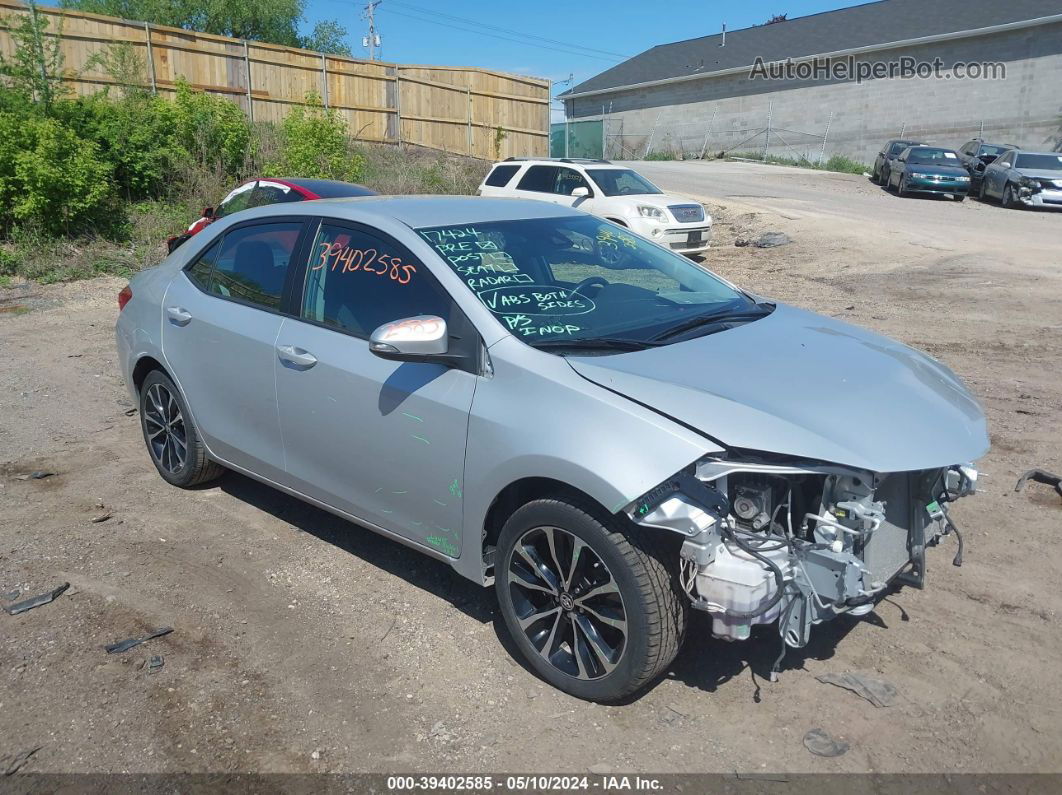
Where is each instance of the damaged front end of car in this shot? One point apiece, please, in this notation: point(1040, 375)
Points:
point(774, 539)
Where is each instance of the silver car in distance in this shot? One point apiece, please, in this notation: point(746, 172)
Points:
point(605, 431)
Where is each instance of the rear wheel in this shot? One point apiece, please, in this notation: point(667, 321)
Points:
point(590, 599)
point(171, 436)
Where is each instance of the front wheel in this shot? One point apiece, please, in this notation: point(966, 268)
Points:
point(590, 599)
point(982, 192)
point(901, 189)
point(1009, 201)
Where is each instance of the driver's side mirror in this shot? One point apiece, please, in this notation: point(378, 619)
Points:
point(412, 339)
point(208, 212)
point(581, 192)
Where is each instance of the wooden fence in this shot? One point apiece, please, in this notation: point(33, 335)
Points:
point(470, 111)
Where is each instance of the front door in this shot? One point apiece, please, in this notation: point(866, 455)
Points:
point(220, 320)
point(381, 440)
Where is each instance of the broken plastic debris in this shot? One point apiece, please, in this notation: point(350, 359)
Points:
point(10, 596)
point(876, 691)
point(103, 517)
point(1040, 476)
point(10, 764)
point(36, 601)
point(822, 744)
point(125, 645)
point(40, 474)
point(771, 239)
point(155, 663)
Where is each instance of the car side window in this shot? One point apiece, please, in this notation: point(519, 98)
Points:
point(253, 263)
point(568, 179)
point(500, 176)
point(356, 282)
point(542, 179)
point(203, 267)
point(238, 200)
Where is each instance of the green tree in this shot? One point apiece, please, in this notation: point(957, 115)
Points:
point(328, 36)
point(33, 71)
point(274, 21)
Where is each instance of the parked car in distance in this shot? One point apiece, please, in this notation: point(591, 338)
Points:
point(879, 175)
point(930, 170)
point(1024, 179)
point(609, 191)
point(610, 447)
point(976, 155)
point(259, 192)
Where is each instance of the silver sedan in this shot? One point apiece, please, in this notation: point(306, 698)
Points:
point(611, 441)
point(1024, 179)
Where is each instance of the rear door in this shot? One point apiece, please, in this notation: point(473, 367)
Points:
point(381, 440)
point(221, 317)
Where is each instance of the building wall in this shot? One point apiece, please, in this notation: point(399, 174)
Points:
point(1025, 108)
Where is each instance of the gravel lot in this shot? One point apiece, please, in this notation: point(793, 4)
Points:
point(302, 643)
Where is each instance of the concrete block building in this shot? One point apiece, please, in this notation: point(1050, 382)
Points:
point(841, 82)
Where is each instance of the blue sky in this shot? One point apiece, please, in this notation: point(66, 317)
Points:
point(584, 29)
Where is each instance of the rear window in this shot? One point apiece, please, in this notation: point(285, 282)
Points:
point(500, 176)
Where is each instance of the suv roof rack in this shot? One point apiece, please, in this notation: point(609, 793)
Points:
point(560, 159)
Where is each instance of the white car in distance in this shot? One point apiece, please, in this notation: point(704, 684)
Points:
point(614, 192)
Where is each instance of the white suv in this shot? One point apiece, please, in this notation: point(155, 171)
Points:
point(616, 193)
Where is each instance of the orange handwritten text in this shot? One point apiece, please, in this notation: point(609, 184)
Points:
point(365, 260)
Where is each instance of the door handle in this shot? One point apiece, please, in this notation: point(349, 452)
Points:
point(296, 356)
point(178, 315)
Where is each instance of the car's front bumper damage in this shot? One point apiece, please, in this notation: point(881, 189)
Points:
point(769, 540)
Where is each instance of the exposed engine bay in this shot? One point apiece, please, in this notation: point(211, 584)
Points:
point(799, 542)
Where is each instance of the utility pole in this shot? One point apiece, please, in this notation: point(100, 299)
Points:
point(372, 41)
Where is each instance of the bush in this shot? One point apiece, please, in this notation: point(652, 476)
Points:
point(313, 143)
point(52, 179)
point(212, 131)
point(136, 134)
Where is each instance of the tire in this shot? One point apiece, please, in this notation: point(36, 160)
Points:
point(901, 189)
point(875, 177)
point(1008, 198)
point(886, 179)
point(960, 198)
point(622, 573)
point(168, 426)
point(982, 192)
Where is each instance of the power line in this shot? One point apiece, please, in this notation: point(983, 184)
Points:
point(505, 38)
point(523, 34)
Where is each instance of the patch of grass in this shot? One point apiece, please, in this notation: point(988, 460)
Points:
point(139, 239)
point(839, 163)
point(663, 155)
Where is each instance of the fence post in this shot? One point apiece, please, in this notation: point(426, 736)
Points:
point(981, 134)
point(324, 80)
point(770, 115)
point(468, 91)
point(652, 134)
point(708, 134)
point(902, 128)
point(247, 64)
point(822, 152)
point(150, 57)
point(398, 106)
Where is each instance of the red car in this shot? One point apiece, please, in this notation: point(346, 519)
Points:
point(258, 192)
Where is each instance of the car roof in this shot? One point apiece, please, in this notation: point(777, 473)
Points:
point(325, 188)
point(421, 211)
point(586, 162)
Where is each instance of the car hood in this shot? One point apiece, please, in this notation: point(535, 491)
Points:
point(944, 171)
point(804, 385)
point(1054, 176)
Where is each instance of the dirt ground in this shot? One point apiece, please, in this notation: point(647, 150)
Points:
point(302, 643)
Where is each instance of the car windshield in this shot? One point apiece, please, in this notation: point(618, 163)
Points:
point(991, 151)
point(898, 147)
point(621, 182)
point(925, 155)
point(1043, 162)
point(582, 280)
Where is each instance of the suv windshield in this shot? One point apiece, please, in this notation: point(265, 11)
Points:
point(925, 155)
point(584, 282)
point(621, 182)
point(1039, 162)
